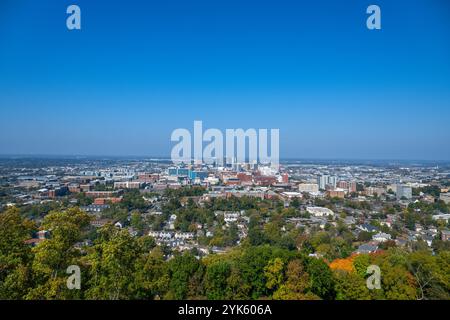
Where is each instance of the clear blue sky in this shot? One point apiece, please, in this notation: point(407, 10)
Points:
point(139, 69)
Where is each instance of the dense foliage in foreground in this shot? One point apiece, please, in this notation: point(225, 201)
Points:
point(120, 266)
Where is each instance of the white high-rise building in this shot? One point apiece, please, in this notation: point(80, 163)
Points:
point(332, 181)
point(404, 191)
point(322, 181)
point(325, 180)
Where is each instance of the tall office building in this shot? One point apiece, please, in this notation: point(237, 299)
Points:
point(322, 181)
point(332, 181)
point(348, 186)
point(404, 191)
point(325, 180)
point(352, 186)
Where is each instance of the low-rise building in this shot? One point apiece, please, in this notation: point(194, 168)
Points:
point(445, 235)
point(336, 193)
point(367, 227)
point(366, 248)
point(127, 185)
point(445, 197)
point(381, 237)
point(319, 211)
point(95, 208)
point(308, 187)
point(372, 191)
point(102, 201)
point(438, 217)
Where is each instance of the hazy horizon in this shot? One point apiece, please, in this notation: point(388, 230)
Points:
point(167, 158)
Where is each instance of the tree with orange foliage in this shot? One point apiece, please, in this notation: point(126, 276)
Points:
point(343, 264)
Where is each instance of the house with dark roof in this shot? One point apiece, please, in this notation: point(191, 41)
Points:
point(367, 227)
point(366, 248)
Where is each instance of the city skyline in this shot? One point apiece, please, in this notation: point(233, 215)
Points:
point(134, 73)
